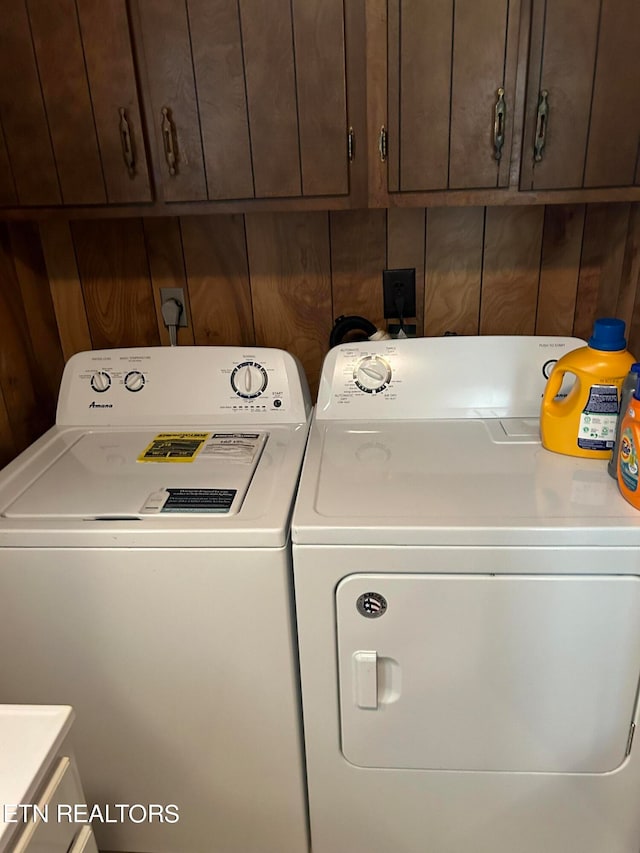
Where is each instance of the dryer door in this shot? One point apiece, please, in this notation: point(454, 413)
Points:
point(485, 672)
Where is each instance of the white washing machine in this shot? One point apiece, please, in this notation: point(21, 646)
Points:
point(468, 609)
point(145, 579)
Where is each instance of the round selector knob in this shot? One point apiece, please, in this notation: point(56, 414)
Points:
point(134, 380)
point(372, 374)
point(100, 381)
point(249, 380)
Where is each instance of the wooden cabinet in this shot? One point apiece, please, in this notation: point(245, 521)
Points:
point(71, 131)
point(451, 84)
point(253, 99)
point(318, 104)
point(487, 101)
point(583, 96)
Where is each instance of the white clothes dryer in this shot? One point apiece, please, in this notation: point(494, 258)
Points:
point(145, 579)
point(468, 610)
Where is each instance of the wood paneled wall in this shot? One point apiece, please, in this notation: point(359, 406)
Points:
point(281, 280)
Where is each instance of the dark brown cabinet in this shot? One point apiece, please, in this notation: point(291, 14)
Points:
point(71, 130)
point(451, 87)
point(249, 98)
point(582, 125)
point(317, 104)
point(481, 101)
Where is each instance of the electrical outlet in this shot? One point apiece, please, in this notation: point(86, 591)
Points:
point(167, 293)
point(399, 291)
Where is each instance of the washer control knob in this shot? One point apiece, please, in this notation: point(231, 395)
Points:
point(134, 380)
point(372, 374)
point(100, 381)
point(249, 380)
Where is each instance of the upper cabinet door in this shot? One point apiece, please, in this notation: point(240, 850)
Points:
point(29, 152)
point(112, 82)
point(249, 97)
point(451, 87)
point(582, 127)
point(68, 104)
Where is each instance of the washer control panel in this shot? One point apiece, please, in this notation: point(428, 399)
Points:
point(183, 385)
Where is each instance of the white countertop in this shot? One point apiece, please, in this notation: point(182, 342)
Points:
point(30, 736)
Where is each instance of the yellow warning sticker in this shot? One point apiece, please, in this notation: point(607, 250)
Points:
point(174, 447)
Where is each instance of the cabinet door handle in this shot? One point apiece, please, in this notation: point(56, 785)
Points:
point(382, 143)
point(127, 146)
point(541, 126)
point(168, 135)
point(498, 124)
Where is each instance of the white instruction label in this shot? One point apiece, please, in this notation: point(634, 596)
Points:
point(234, 446)
point(189, 500)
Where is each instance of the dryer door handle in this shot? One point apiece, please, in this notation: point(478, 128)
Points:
point(365, 677)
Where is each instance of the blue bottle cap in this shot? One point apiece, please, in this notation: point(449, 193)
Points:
point(635, 367)
point(608, 335)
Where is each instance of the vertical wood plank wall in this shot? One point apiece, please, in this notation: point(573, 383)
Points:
point(281, 280)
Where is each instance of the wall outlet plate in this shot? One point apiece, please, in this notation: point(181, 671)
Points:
point(167, 293)
point(399, 291)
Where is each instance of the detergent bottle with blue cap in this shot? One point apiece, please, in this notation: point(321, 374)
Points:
point(584, 422)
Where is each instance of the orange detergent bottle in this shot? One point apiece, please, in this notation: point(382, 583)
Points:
point(584, 422)
point(628, 455)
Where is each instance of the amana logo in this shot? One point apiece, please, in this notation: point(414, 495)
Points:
point(94, 405)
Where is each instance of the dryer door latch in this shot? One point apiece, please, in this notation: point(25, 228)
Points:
point(365, 672)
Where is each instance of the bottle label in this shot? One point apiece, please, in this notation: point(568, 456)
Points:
point(597, 429)
point(628, 460)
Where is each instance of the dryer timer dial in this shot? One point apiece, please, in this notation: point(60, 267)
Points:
point(372, 374)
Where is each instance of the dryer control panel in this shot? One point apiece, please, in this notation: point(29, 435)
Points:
point(450, 377)
point(183, 385)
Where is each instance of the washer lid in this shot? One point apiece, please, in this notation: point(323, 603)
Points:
point(132, 474)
